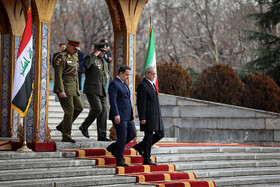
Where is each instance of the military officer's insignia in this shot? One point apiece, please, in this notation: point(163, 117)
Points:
point(58, 61)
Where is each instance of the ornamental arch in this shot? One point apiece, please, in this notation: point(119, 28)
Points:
point(125, 15)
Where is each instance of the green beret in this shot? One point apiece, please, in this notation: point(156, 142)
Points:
point(101, 46)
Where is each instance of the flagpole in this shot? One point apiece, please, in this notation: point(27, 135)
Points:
point(24, 148)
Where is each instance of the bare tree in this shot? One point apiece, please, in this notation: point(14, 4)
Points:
point(199, 33)
point(83, 20)
point(195, 33)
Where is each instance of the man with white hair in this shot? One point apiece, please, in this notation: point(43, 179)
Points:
point(149, 115)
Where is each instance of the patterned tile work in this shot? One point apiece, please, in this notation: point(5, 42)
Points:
point(131, 65)
point(5, 83)
point(16, 115)
point(30, 113)
point(44, 74)
point(120, 42)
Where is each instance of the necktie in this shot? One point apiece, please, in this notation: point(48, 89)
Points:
point(126, 87)
point(155, 88)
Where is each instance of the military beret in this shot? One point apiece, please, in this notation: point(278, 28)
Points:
point(101, 46)
point(75, 43)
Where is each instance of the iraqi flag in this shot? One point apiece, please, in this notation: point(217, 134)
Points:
point(151, 54)
point(23, 79)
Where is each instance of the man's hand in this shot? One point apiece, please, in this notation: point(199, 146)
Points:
point(143, 122)
point(62, 95)
point(110, 59)
point(117, 119)
point(97, 53)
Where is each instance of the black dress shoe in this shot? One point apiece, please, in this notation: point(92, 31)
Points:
point(137, 148)
point(104, 139)
point(111, 150)
point(121, 163)
point(68, 140)
point(84, 131)
point(58, 128)
point(149, 162)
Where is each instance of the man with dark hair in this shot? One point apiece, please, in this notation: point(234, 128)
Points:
point(108, 58)
point(121, 114)
point(67, 88)
point(107, 55)
point(62, 47)
point(149, 115)
point(96, 72)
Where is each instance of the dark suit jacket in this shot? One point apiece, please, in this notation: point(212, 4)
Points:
point(119, 97)
point(81, 61)
point(148, 107)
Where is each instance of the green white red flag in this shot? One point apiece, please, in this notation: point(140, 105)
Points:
point(151, 54)
point(23, 78)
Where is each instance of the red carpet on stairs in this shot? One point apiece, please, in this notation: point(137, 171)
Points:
point(160, 175)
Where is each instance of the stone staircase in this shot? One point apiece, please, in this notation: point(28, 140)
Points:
point(54, 169)
point(55, 116)
point(246, 166)
point(227, 166)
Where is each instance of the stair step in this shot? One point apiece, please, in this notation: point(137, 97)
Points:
point(217, 157)
point(235, 172)
point(128, 185)
point(43, 163)
point(10, 175)
point(111, 160)
point(92, 133)
point(246, 180)
point(216, 149)
point(73, 181)
point(8, 155)
point(81, 144)
point(225, 164)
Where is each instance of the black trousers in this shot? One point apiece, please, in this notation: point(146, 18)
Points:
point(125, 131)
point(97, 110)
point(150, 138)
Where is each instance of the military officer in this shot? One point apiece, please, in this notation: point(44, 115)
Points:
point(66, 86)
point(96, 72)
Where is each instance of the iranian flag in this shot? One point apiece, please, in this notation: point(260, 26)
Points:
point(23, 81)
point(151, 54)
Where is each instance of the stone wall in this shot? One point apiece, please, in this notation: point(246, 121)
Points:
point(192, 120)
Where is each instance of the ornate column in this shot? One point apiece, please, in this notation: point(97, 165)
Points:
point(12, 28)
point(125, 15)
point(37, 116)
point(13, 19)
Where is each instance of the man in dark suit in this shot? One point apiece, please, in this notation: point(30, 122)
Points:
point(81, 67)
point(149, 115)
point(121, 113)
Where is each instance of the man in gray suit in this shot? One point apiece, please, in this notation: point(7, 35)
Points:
point(96, 72)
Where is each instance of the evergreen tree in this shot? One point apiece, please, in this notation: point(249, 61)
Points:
point(268, 52)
